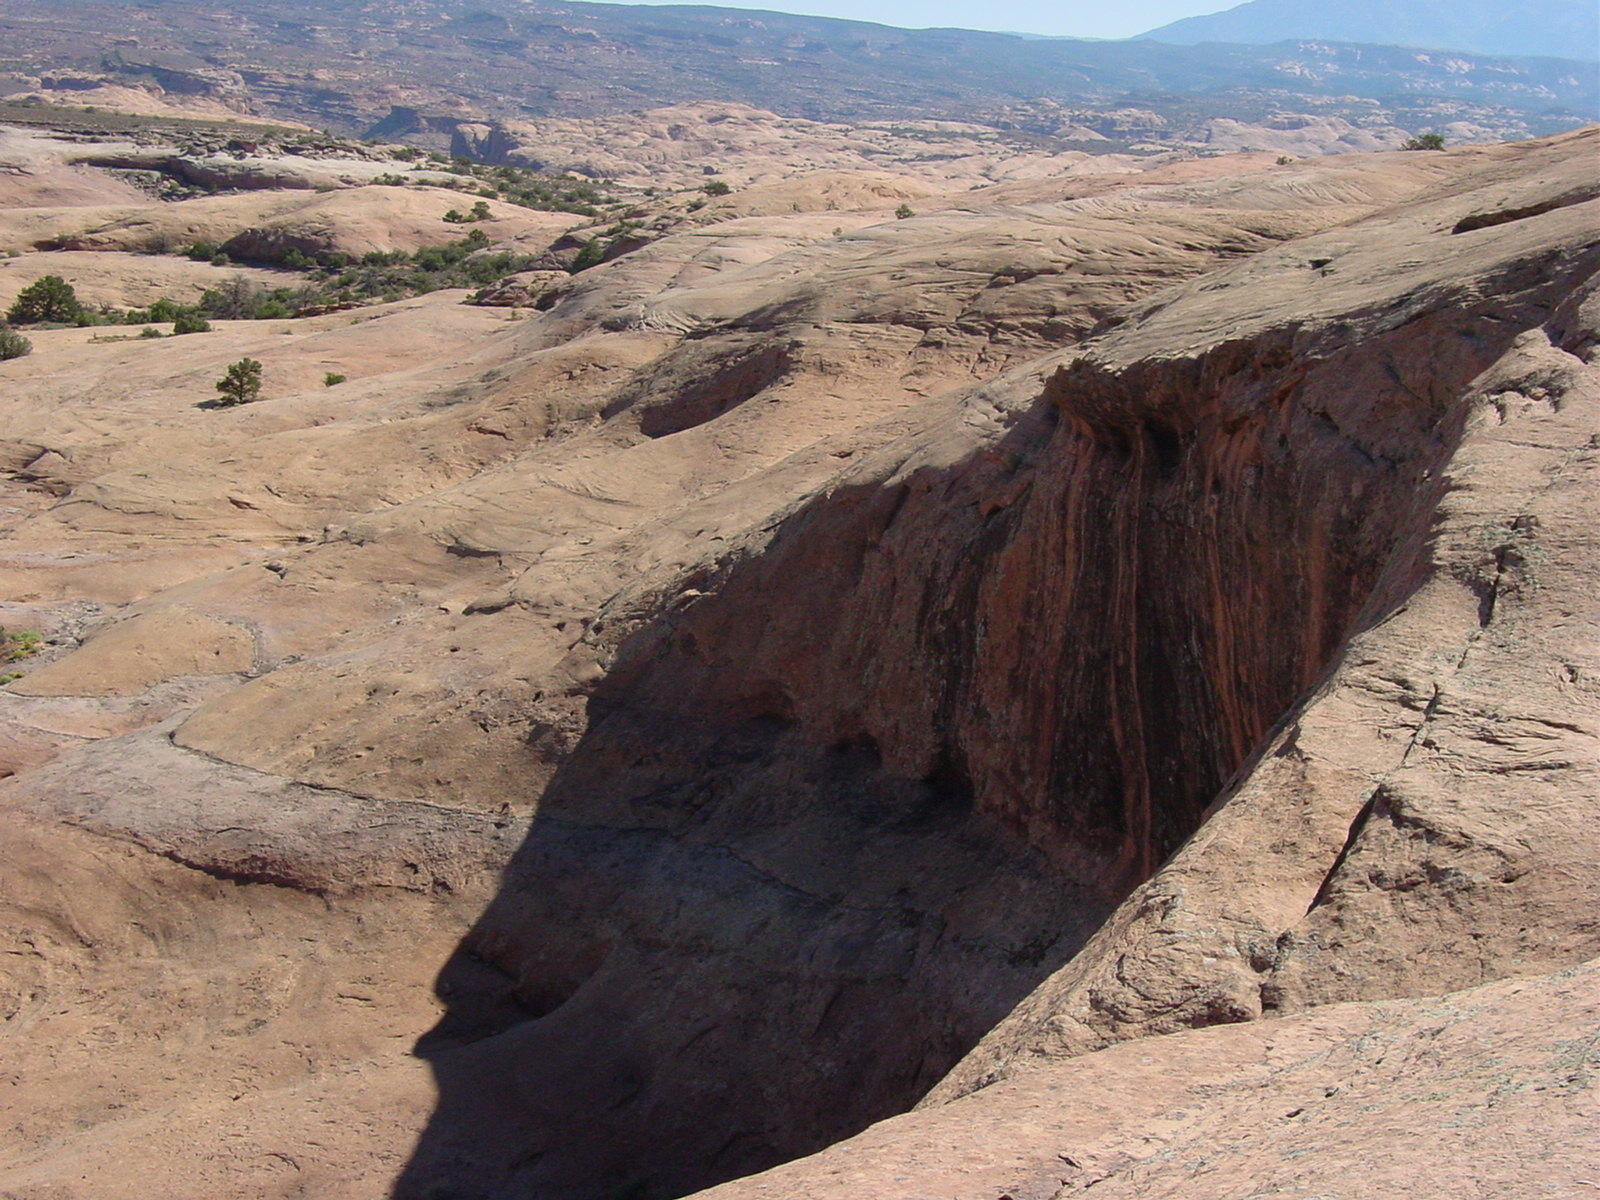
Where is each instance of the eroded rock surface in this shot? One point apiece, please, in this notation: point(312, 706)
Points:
point(1486, 1092)
point(819, 662)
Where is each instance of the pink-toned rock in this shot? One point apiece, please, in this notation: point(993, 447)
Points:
point(819, 663)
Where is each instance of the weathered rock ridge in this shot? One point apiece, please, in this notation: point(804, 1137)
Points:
point(801, 672)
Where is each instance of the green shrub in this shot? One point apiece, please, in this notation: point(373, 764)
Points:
point(234, 299)
point(13, 344)
point(149, 332)
point(203, 251)
point(598, 249)
point(716, 187)
point(340, 282)
point(241, 384)
point(590, 254)
point(14, 647)
point(1427, 141)
point(456, 217)
point(190, 321)
point(333, 379)
point(904, 211)
point(49, 298)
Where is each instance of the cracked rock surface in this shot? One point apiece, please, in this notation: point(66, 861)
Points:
point(1109, 663)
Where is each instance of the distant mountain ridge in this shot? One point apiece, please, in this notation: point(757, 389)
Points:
point(1562, 28)
point(423, 67)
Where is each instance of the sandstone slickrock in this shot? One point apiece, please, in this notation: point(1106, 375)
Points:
point(128, 280)
point(820, 662)
point(1487, 1092)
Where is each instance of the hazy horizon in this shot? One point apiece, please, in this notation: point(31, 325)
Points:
point(1007, 16)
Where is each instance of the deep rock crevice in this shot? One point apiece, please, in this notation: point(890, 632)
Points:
point(806, 855)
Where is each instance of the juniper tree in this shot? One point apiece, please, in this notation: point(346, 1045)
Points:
point(49, 298)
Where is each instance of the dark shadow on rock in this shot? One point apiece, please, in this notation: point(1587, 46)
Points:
point(775, 952)
point(838, 812)
point(732, 935)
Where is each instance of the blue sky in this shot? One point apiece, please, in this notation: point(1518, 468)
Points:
point(1076, 18)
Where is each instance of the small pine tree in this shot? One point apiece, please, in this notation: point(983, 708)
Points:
point(904, 211)
point(1428, 141)
point(49, 298)
point(480, 211)
point(241, 384)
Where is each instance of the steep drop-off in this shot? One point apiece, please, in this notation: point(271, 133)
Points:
point(815, 672)
point(1018, 654)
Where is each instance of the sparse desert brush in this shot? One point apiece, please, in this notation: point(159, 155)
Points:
point(18, 645)
point(13, 344)
point(590, 254)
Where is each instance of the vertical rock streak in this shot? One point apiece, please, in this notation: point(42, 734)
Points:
point(1166, 589)
point(913, 743)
